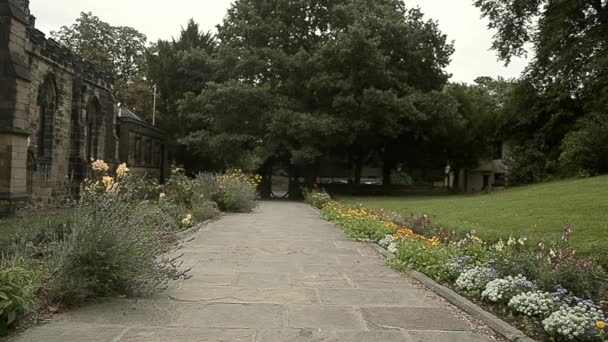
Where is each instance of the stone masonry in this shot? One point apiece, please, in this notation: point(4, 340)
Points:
point(56, 113)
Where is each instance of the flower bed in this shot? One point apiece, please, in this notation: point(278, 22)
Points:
point(113, 241)
point(539, 288)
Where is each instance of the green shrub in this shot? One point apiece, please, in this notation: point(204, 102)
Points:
point(179, 188)
point(433, 261)
point(234, 191)
point(204, 209)
point(585, 151)
point(37, 226)
point(316, 198)
point(112, 250)
point(19, 281)
point(235, 197)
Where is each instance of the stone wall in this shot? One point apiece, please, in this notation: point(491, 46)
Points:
point(56, 112)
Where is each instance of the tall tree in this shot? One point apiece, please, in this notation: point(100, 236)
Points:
point(118, 49)
point(566, 79)
point(343, 73)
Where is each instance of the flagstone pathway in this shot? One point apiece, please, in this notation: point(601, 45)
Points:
point(281, 274)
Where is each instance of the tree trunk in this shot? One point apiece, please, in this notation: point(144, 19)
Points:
point(295, 192)
point(456, 184)
point(266, 185)
point(386, 175)
point(387, 168)
point(358, 170)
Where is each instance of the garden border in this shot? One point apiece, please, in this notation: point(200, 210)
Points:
point(501, 327)
point(192, 230)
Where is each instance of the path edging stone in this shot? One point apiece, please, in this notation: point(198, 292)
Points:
point(503, 328)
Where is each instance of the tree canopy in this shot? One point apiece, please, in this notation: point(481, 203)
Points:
point(563, 88)
point(315, 79)
point(118, 49)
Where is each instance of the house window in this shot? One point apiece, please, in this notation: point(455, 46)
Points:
point(138, 151)
point(92, 129)
point(47, 99)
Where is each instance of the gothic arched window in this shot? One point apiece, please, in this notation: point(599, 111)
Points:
point(47, 100)
point(92, 129)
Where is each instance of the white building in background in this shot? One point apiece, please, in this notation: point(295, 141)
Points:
point(488, 176)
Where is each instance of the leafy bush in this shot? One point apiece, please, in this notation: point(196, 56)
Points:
point(19, 282)
point(585, 151)
point(433, 261)
point(179, 188)
point(234, 191)
point(112, 248)
point(316, 198)
point(35, 228)
point(204, 209)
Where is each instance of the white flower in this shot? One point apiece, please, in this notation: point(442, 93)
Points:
point(522, 241)
point(392, 247)
point(572, 322)
point(501, 290)
point(511, 241)
point(533, 303)
point(475, 279)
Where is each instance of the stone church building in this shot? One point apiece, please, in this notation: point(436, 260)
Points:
point(57, 112)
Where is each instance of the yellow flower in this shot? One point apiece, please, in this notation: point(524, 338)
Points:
point(162, 195)
point(108, 182)
point(600, 325)
point(187, 220)
point(100, 165)
point(122, 170)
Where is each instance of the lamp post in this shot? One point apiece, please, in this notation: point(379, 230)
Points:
point(154, 108)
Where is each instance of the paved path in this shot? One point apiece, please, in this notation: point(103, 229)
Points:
point(279, 274)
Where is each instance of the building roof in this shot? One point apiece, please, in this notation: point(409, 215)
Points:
point(126, 113)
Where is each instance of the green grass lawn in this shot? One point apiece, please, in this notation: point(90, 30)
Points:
point(539, 212)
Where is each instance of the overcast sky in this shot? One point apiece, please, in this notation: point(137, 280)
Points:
point(459, 19)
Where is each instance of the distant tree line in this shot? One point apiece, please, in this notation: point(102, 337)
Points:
point(354, 82)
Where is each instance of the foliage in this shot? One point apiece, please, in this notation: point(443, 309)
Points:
point(117, 49)
point(585, 151)
point(19, 281)
point(276, 87)
point(357, 222)
point(563, 90)
point(204, 209)
point(48, 225)
point(539, 212)
point(235, 192)
point(111, 249)
point(317, 198)
point(415, 254)
point(514, 274)
point(178, 188)
point(480, 106)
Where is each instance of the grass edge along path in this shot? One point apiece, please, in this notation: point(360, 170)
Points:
point(539, 212)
